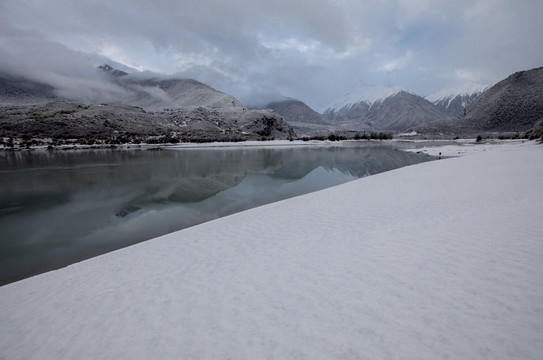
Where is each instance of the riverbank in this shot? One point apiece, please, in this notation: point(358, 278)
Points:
point(405, 143)
point(180, 145)
point(432, 261)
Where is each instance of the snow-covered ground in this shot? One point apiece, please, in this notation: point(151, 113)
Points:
point(249, 143)
point(467, 147)
point(441, 260)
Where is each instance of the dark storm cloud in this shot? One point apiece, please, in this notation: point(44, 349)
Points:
point(312, 50)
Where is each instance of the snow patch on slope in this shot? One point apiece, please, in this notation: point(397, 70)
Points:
point(370, 94)
point(453, 90)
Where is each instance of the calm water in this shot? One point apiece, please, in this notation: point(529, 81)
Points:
point(59, 207)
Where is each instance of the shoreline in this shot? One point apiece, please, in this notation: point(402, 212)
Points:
point(236, 144)
point(428, 149)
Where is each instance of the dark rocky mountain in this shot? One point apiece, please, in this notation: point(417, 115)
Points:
point(385, 109)
point(114, 72)
point(135, 108)
point(295, 111)
point(512, 105)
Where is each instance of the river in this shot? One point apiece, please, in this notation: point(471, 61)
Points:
point(60, 207)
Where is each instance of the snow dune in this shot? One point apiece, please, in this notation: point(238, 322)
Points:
point(441, 260)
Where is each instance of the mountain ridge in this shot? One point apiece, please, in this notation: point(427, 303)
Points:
point(363, 93)
point(296, 111)
point(385, 109)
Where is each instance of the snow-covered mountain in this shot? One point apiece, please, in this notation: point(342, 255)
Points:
point(363, 93)
point(376, 107)
point(514, 104)
point(453, 98)
point(158, 93)
point(110, 85)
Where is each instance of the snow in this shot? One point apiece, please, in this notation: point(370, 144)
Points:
point(250, 143)
point(468, 147)
point(410, 133)
point(440, 260)
point(457, 89)
point(369, 94)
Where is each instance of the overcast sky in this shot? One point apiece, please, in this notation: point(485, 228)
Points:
point(312, 50)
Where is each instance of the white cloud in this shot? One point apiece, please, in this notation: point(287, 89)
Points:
point(291, 44)
point(396, 64)
point(314, 50)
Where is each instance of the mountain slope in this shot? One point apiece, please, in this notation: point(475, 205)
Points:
point(402, 112)
point(17, 89)
point(453, 98)
point(514, 104)
point(295, 111)
point(363, 93)
point(157, 93)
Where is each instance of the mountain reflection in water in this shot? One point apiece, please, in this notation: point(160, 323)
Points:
point(60, 207)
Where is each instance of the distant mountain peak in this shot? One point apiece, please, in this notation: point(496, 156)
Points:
point(460, 88)
point(367, 93)
point(110, 70)
point(294, 110)
point(453, 98)
point(105, 67)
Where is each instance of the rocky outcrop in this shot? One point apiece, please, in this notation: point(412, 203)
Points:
point(536, 132)
point(124, 123)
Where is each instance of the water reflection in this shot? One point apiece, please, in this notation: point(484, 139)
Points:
point(60, 207)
